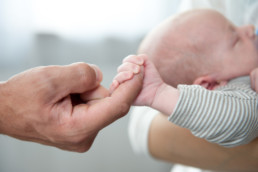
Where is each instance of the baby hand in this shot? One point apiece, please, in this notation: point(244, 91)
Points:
point(152, 81)
point(132, 65)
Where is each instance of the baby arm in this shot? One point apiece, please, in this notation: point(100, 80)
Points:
point(227, 117)
point(155, 93)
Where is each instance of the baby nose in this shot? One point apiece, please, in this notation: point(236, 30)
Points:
point(248, 30)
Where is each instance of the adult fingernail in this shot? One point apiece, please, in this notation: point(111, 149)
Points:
point(98, 72)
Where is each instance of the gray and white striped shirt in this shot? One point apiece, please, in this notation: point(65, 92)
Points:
point(227, 116)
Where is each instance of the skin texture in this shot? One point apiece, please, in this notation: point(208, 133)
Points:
point(178, 145)
point(223, 52)
point(201, 47)
point(62, 106)
point(155, 93)
point(174, 144)
point(232, 52)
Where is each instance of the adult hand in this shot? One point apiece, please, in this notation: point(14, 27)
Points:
point(155, 93)
point(254, 79)
point(61, 106)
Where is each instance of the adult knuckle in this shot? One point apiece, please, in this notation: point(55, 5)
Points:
point(46, 77)
point(86, 73)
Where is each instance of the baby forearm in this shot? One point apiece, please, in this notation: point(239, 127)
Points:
point(165, 99)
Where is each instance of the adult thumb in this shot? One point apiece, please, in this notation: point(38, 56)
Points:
point(109, 109)
point(75, 78)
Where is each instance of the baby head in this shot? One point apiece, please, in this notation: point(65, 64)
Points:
point(201, 47)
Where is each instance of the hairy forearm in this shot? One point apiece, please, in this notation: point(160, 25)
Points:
point(178, 145)
point(165, 99)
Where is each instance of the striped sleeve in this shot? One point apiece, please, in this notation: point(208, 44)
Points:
point(227, 117)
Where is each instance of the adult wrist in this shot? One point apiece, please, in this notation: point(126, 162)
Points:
point(2, 106)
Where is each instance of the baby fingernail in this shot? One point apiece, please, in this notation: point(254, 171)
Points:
point(136, 70)
point(114, 85)
point(140, 61)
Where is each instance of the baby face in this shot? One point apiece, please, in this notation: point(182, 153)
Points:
point(201, 43)
point(233, 48)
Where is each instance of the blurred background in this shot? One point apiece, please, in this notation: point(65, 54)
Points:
point(60, 32)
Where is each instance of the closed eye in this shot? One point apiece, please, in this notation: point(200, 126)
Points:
point(235, 41)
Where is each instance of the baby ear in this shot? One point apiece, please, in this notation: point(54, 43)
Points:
point(208, 82)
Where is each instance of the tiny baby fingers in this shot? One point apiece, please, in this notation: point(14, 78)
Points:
point(129, 67)
point(134, 59)
point(123, 76)
point(113, 86)
point(120, 78)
